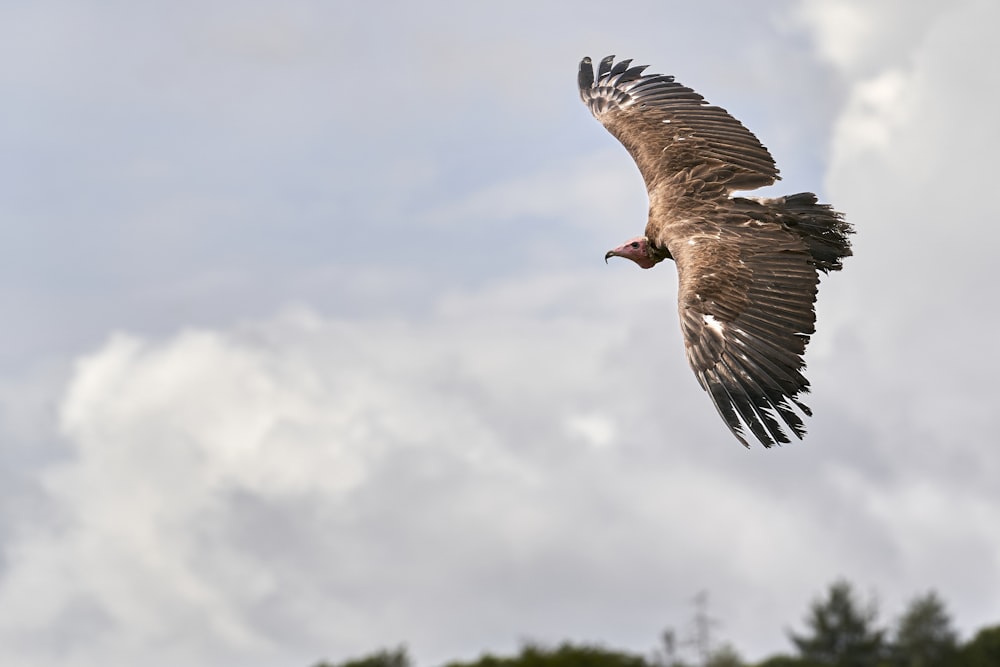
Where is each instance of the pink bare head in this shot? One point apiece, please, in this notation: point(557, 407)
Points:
point(637, 250)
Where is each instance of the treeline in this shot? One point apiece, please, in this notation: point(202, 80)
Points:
point(841, 630)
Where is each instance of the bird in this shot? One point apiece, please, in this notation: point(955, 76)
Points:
point(748, 267)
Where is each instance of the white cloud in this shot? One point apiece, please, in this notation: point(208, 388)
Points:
point(531, 459)
point(593, 428)
point(875, 108)
point(298, 411)
point(859, 38)
point(844, 29)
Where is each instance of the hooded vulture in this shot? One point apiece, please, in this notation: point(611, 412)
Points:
point(748, 267)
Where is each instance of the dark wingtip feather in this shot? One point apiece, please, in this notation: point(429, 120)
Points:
point(620, 67)
point(633, 73)
point(766, 397)
point(773, 388)
point(710, 380)
point(746, 406)
point(586, 78)
point(806, 410)
point(605, 67)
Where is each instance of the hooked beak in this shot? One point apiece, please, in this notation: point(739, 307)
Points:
point(611, 253)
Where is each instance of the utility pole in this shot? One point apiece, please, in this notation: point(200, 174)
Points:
point(704, 626)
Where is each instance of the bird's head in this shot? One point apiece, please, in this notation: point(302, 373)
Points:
point(638, 250)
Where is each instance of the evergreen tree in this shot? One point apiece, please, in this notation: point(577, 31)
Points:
point(396, 657)
point(983, 650)
point(924, 635)
point(785, 661)
point(840, 632)
point(566, 655)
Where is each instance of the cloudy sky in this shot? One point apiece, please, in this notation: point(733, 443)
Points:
point(310, 347)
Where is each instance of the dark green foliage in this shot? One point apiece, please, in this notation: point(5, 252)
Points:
point(983, 650)
point(396, 657)
point(840, 632)
point(785, 661)
point(924, 636)
point(566, 655)
point(724, 656)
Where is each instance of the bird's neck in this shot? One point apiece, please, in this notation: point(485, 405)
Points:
point(659, 253)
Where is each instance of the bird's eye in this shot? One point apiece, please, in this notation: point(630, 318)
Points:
point(635, 244)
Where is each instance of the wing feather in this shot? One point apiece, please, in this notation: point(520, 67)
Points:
point(620, 68)
point(750, 401)
point(668, 127)
point(748, 268)
point(604, 69)
point(723, 402)
point(747, 308)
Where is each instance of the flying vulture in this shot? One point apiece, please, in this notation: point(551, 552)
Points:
point(748, 267)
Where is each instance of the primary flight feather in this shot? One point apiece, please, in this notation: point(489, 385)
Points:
point(748, 268)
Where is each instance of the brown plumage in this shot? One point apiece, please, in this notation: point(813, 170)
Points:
point(747, 267)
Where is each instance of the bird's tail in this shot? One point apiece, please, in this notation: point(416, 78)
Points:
point(826, 233)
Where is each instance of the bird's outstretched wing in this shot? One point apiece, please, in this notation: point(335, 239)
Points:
point(668, 128)
point(747, 268)
point(746, 295)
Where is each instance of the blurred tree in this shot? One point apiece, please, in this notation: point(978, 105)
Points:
point(785, 661)
point(566, 655)
point(983, 650)
point(723, 656)
point(397, 657)
point(924, 635)
point(841, 633)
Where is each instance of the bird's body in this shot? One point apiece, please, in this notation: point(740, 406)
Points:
point(747, 267)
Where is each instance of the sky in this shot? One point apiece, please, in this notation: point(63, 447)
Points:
point(310, 348)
